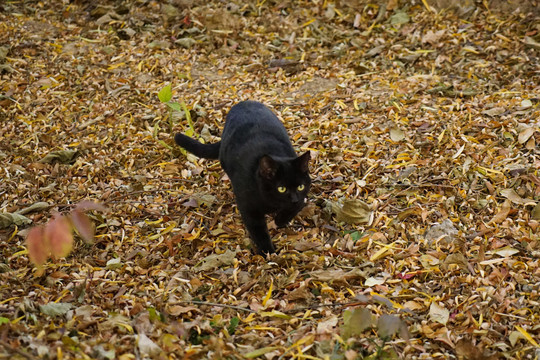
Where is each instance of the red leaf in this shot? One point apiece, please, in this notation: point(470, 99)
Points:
point(58, 233)
point(39, 248)
point(84, 226)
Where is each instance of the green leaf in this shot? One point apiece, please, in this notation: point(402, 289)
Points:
point(165, 94)
point(154, 314)
point(356, 235)
point(165, 144)
point(232, 326)
point(4, 320)
point(174, 106)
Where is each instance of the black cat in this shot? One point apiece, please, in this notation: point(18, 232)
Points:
point(266, 174)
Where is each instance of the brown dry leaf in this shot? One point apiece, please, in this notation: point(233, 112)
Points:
point(215, 261)
point(503, 212)
point(535, 213)
point(432, 37)
point(456, 259)
point(352, 211)
point(301, 293)
point(337, 275)
point(61, 156)
point(525, 135)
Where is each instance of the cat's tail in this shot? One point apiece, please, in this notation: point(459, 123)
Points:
point(207, 151)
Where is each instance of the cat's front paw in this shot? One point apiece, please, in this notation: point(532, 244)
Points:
point(267, 248)
point(281, 221)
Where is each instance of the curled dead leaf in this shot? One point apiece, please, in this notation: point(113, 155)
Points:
point(61, 156)
point(352, 211)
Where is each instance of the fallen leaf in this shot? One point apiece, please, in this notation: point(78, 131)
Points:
point(396, 134)
point(114, 264)
point(61, 156)
point(529, 41)
point(352, 211)
point(259, 352)
point(511, 195)
point(372, 281)
point(55, 309)
point(438, 313)
point(388, 325)
point(535, 212)
point(327, 326)
point(9, 219)
point(356, 321)
point(503, 213)
point(456, 259)
point(215, 261)
point(41, 205)
point(504, 251)
point(496, 111)
point(524, 135)
point(399, 18)
point(147, 347)
point(432, 37)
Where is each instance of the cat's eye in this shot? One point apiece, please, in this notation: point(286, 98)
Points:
point(282, 189)
point(300, 187)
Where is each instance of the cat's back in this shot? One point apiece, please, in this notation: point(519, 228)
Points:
point(252, 130)
point(249, 117)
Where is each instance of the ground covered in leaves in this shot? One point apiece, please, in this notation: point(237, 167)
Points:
point(421, 239)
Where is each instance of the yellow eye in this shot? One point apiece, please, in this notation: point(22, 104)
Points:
point(300, 187)
point(282, 189)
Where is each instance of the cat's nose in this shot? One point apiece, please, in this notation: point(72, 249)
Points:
point(294, 198)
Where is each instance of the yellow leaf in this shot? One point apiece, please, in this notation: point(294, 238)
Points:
point(258, 327)
point(8, 300)
point(341, 104)
point(268, 294)
point(249, 318)
point(527, 335)
point(302, 341)
point(112, 67)
point(275, 313)
point(158, 221)
point(381, 252)
point(126, 326)
point(260, 352)
point(307, 23)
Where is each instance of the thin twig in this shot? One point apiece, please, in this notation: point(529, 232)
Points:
point(198, 302)
point(316, 306)
point(15, 350)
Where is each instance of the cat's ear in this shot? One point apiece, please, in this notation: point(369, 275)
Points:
point(303, 161)
point(267, 167)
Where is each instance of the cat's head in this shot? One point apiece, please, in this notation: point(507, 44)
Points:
point(284, 183)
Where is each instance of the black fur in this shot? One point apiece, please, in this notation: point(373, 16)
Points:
point(266, 174)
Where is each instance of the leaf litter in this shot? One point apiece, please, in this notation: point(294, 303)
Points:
point(423, 126)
